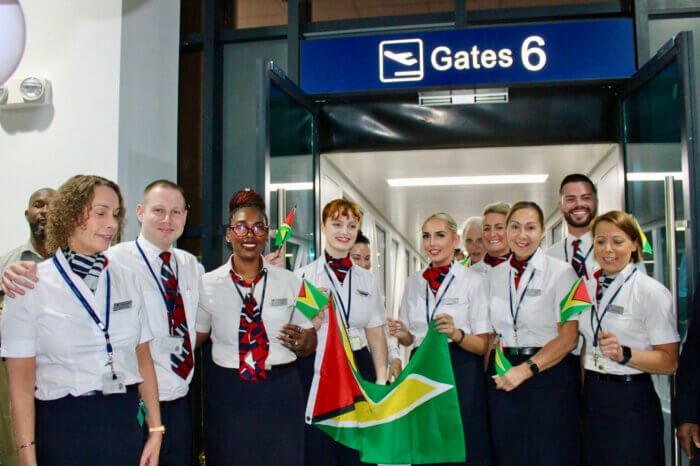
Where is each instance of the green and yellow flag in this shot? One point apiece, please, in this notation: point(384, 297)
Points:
point(501, 361)
point(646, 246)
point(466, 262)
point(310, 300)
point(576, 301)
point(416, 420)
point(284, 232)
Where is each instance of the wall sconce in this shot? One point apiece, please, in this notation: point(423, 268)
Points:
point(25, 93)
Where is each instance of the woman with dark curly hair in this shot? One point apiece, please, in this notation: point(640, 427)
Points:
point(77, 347)
point(253, 401)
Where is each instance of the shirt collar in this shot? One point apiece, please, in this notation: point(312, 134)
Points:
point(29, 247)
point(151, 250)
point(586, 241)
point(538, 259)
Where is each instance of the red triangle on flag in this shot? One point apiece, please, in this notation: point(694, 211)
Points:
point(290, 218)
point(581, 293)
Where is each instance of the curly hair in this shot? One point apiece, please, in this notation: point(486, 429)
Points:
point(246, 198)
point(70, 207)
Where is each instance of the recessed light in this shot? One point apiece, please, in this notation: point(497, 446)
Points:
point(467, 180)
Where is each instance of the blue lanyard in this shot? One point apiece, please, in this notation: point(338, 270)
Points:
point(104, 327)
point(252, 290)
point(168, 308)
point(428, 315)
point(514, 315)
point(346, 311)
point(596, 330)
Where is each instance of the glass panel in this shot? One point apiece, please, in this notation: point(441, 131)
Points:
point(380, 259)
point(292, 169)
point(497, 4)
point(240, 14)
point(652, 125)
point(326, 10)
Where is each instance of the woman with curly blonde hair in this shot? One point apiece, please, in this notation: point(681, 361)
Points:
point(79, 366)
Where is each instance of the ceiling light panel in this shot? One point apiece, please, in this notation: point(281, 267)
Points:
point(467, 180)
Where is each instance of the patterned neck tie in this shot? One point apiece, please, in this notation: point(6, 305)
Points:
point(494, 261)
point(253, 342)
point(340, 267)
point(435, 276)
point(578, 262)
point(182, 362)
point(603, 283)
point(88, 268)
point(519, 267)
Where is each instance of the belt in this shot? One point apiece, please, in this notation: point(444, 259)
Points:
point(524, 351)
point(281, 366)
point(617, 378)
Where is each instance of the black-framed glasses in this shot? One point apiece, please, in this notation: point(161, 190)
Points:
point(241, 230)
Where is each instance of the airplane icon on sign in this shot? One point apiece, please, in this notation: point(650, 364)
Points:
point(405, 58)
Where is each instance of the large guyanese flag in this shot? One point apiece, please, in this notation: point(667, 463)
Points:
point(576, 300)
point(416, 420)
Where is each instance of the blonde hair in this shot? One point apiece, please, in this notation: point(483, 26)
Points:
point(470, 222)
point(451, 224)
point(497, 208)
point(626, 223)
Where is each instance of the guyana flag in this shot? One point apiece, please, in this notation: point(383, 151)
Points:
point(310, 300)
point(416, 420)
point(501, 361)
point(466, 262)
point(646, 246)
point(285, 230)
point(576, 300)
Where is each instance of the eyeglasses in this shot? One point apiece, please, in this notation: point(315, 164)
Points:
point(241, 230)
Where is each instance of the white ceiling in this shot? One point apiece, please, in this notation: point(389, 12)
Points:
point(407, 207)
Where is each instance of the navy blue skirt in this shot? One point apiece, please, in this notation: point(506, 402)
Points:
point(622, 423)
point(537, 423)
point(176, 449)
point(253, 423)
point(88, 430)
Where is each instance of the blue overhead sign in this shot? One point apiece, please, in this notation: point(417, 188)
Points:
point(461, 57)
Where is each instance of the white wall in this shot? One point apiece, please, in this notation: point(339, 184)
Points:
point(114, 78)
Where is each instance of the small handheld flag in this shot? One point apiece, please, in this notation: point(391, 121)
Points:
point(576, 301)
point(646, 246)
point(310, 300)
point(285, 230)
point(466, 262)
point(501, 362)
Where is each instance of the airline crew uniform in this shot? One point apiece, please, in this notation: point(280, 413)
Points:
point(174, 335)
point(359, 300)
point(488, 263)
point(538, 422)
point(253, 401)
point(622, 421)
point(461, 294)
point(81, 408)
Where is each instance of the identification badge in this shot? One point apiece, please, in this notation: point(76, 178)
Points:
point(122, 305)
point(279, 302)
point(619, 310)
point(171, 344)
point(450, 301)
point(113, 383)
point(355, 343)
point(363, 293)
point(533, 292)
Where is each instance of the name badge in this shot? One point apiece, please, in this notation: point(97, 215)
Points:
point(171, 344)
point(122, 305)
point(113, 383)
point(279, 302)
point(363, 293)
point(616, 309)
point(533, 292)
point(450, 301)
point(355, 343)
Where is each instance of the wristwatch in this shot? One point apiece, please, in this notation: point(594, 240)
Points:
point(533, 367)
point(626, 355)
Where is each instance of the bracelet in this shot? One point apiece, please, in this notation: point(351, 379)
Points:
point(28, 444)
point(160, 428)
point(461, 339)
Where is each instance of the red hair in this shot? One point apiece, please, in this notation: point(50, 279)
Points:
point(339, 207)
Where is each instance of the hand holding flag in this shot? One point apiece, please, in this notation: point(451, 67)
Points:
point(284, 232)
point(311, 300)
point(576, 301)
point(501, 362)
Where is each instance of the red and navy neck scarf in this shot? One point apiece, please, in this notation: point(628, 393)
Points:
point(253, 342)
point(435, 276)
point(519, 267)
point(340, 267)
point(181, 363)
point(494, 261)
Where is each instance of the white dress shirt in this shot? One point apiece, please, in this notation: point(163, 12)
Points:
point(188, 271)
point(50, 324)
point(463, 297)
point(220, 311)
point(366, 309)
point(539, 297)
point(640, 316)
point(481, 267)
